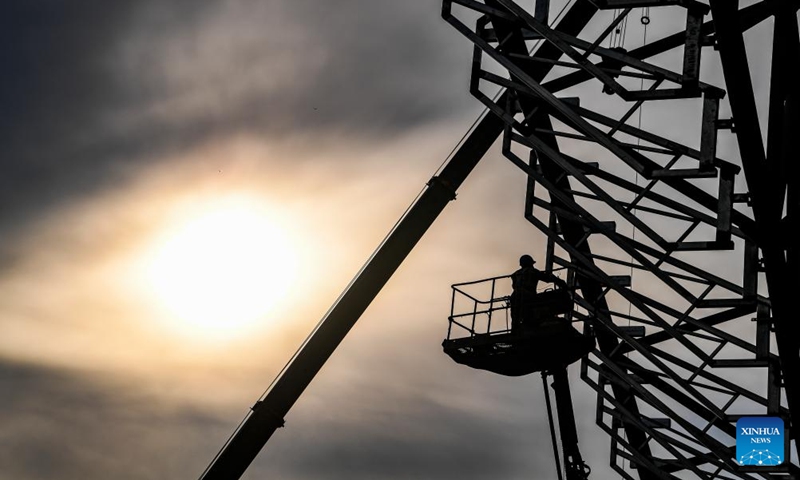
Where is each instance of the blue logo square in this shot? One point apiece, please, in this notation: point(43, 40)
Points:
point(760, 441)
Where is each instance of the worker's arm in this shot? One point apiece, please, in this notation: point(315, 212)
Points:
point(550, 277)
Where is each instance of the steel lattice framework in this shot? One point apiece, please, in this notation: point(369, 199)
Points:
point(682, 260)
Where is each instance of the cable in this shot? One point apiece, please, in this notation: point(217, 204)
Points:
point(645, 20)
point(611, 41)
point(624, 31)
point(645, 15)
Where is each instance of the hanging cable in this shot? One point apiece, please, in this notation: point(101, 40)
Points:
point(645, 21)
point(624, 32)
point(617, 37)
point(611, 38)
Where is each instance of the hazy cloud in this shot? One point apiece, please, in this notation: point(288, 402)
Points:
point(96, 90)
point(68, 425)
point(62, 424)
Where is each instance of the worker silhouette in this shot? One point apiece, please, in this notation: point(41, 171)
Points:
point(525, 282)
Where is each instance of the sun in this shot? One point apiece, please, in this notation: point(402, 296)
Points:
point(219, 273)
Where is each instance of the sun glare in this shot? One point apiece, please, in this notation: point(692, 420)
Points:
point(221, 272)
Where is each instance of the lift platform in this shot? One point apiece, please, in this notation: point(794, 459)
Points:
point(481, 334)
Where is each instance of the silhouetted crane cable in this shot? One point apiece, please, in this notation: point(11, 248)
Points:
point(645, 21)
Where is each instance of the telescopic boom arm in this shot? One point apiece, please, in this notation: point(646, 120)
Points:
point(267, 415)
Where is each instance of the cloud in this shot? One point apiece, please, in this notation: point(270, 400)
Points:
point(434, 441)
point(65, 424)
point(101, 91)
point(62, 424)
point(299, 66)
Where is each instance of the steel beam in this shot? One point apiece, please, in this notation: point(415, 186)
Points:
point(763, 177)
point(267, 414)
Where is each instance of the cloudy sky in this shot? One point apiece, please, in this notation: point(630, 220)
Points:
point(188, 185)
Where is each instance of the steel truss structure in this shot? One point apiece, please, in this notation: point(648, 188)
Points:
point(685, 263)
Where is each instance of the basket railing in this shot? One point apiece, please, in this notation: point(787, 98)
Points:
point(473, 313)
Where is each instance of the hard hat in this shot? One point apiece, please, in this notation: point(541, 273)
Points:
point(526, 261)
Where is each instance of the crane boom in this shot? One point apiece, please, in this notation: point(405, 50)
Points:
point(267, 415)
